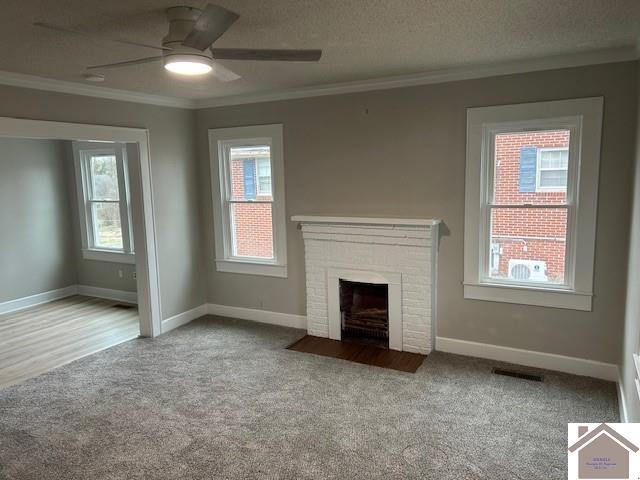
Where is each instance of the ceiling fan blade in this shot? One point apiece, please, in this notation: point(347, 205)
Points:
point(127, 63)
point(212, 23)
point(223, 74)
point(95, 36)
point(269, 55)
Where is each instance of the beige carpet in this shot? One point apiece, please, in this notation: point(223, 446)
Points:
point(224, 399)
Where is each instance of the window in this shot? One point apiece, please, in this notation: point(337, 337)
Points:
point(553, 164)
point(264, 175)
point(527, 208)
point(104, 201)
point(248, 195)
point(531, 190)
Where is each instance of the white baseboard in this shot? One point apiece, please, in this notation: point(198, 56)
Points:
point(530, 358)
point(33, 300)
point(108, 293)
point(183, 318)
point(262, 316)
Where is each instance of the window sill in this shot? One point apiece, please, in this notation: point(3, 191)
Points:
point(543, 297)
point(251, 268)
point(108, 256)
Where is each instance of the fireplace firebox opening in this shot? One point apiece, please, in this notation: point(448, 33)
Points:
point(364, 313)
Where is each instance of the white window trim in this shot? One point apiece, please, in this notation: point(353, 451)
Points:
point(584, 118)
point(225, 262)
point(539, 169)
point(89, 252)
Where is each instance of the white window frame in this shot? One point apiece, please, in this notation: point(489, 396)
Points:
point(583, 117)
point(82, 153)
point(225, 261)
point(540, 188)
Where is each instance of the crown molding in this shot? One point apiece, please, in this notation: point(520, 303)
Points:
point(75, 88)
point(594, 57)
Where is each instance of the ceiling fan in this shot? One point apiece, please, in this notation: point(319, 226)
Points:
point(188, 47)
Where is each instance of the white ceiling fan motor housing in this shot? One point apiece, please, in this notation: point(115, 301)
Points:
point(181, 22)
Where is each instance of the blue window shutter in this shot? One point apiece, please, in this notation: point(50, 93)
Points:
point(528, 164)
point(249, 172)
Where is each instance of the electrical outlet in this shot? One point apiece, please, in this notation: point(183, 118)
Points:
point(120, 274)
point(134, 275)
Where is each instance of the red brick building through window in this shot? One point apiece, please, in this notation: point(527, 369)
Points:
point(251, 188)
point(527, 241)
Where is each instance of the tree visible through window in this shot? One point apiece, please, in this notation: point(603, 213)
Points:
point(104, 202)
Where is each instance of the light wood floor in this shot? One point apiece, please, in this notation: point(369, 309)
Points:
point(37, 339)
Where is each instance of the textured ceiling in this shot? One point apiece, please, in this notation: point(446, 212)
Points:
point(361, 39)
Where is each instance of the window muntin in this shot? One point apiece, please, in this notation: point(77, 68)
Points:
point(104, 192)
point(526, 224)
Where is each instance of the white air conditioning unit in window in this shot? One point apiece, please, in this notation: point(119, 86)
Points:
point(528, 270)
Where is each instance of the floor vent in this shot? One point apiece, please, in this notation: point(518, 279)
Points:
point(516, 374)
point(123, 306)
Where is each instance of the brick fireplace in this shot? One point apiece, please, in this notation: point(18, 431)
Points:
point(377, 256)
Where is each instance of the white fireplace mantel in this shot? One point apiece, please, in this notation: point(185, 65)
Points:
point(365, 220)
point(399, 252)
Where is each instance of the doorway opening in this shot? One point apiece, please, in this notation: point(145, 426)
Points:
point(81, 203)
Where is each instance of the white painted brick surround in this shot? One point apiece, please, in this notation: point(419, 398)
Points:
point(376, 248)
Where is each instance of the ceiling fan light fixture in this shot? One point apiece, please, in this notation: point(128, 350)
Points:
point(187, 64)
point(188, 50)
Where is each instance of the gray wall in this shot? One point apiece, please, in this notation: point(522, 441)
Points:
point(174, 177)
point(42, 250)
point(632, 318)
point(401, 152)
point(106, 274)
point(36, 237)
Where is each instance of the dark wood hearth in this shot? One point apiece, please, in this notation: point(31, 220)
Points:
point(367, 354)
